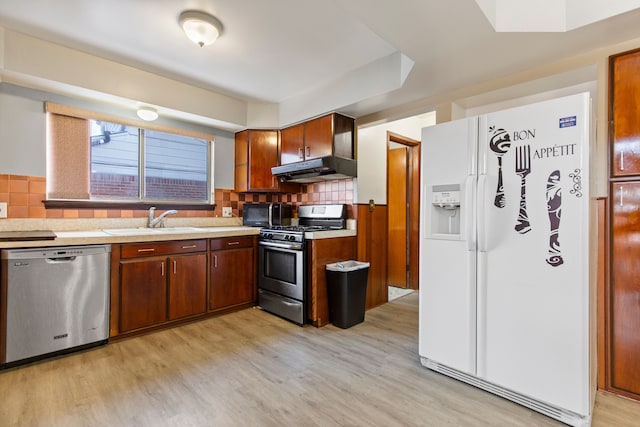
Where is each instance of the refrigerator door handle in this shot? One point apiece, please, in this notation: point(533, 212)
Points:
point(469, 203)
point(482, 235)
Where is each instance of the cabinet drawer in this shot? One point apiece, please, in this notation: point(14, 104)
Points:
point(163, 248)
point(232, 243)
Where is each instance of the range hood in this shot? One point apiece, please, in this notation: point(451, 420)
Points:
point(315, 170)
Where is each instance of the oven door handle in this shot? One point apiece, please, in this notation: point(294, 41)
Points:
point(281, 245)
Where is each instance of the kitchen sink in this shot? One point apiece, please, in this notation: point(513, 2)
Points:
point(146, 230)
point(177, 230)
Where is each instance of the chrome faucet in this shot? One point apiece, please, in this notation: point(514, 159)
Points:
point(160, 219)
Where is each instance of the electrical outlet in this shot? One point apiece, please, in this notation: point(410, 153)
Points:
point(3, 209)
point(227, 212)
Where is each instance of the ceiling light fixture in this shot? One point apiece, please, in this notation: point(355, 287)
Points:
point(147, 114)
point(201, 28)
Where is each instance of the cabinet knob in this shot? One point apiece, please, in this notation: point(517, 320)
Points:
point(300, 152)
point(621, 160)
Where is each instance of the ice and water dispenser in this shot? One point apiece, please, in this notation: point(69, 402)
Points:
point(445, 209)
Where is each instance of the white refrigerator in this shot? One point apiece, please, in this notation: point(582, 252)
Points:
point(504, 255)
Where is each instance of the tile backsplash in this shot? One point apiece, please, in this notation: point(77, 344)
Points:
point(24, 196)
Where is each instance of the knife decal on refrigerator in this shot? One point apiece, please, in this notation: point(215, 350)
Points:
point(554, 209)
point(499, 144)
point(523, 168)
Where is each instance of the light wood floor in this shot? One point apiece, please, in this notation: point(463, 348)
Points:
point(253, 369)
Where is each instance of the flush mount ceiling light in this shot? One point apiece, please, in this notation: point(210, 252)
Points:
point(201, 28)
point(147, 114)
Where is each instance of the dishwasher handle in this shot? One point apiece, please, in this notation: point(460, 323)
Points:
point(61, 260)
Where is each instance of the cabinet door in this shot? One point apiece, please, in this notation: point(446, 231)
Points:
point(187, 285)
point(232, 278)
point(625, 112)
point(318, 137)
point(625, 287)
point(263, 155)
point(143, 296)
point(241, 171)
point(291, 144)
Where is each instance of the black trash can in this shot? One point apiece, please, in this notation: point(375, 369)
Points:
point(347, 292)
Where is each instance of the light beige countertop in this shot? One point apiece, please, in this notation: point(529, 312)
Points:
point(95, 237)
point(329, 234)
point(103, 231)
point(92, 231)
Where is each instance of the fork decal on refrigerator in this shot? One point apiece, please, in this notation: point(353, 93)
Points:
point(523, 168)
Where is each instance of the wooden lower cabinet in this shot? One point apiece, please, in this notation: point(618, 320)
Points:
point(625, 289)
point(143, 299)
point(320, 253)
point(233, 274)
point(187, 285)
point(159, 282)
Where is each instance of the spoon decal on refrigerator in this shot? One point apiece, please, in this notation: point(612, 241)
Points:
point(554, 209)
point(499, 144)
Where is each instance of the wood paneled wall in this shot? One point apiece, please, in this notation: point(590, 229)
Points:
point(372, 247)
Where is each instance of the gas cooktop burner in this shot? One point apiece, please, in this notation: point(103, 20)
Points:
point(299, 228)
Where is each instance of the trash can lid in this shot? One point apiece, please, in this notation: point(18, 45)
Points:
point(347, 265)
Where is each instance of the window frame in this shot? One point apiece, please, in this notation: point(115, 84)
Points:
point(131, 204)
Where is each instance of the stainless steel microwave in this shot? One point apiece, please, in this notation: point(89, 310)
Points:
point(266, 214)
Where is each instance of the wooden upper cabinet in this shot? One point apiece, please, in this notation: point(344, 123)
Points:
point(625, 114)
point(325, 136)
point(318, 137)
point(292, 144)
point(241, 171)
point(256, 152)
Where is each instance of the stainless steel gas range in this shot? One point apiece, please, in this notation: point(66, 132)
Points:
point(282, 260)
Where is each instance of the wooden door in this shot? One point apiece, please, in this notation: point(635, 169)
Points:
point(318, 137)
point(187, 285)
point(625, 126)
point(291, 144)
point(263, 155)
point(397, 259)
point(625, 287)
point(232, 277)
point(143, 295)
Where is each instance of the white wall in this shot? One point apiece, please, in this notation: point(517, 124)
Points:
point(35, 63)
point(224, 161)
point(22, 136)
point(372, 154)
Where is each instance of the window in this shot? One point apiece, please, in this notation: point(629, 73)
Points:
point(108, 159)
point(173, 167)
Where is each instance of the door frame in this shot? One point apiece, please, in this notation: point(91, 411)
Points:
point(413, 200)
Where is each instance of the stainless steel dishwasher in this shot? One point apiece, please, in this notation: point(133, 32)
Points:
point(57, 299)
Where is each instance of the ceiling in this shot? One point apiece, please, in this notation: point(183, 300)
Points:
point(310, 57)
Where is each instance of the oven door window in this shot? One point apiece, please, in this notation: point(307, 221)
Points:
point(280, 266)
